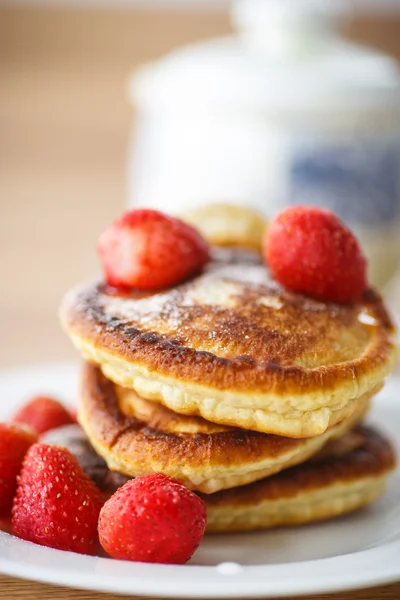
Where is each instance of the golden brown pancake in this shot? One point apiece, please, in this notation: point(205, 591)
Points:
point(137, 437)
point(351, 475)
point(229, 225)
point(235, 348)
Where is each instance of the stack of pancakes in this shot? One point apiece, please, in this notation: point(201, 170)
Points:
point(245, 392)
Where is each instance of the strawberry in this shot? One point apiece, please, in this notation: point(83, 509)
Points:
point(310, 251)
point(152, 519)
point(43, 413)
point(15, 441)
point(56, 505)
point(148, 250)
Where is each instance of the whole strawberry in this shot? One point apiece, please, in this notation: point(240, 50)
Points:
point(310, 251)
point(152, 519)
point(15, 441)
point(148, 250)
point(56, 505)
point(43, 413)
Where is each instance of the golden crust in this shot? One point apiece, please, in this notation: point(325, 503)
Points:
point(350, 472)
point(236, 349)
point(136, 437)
point(229, 225)
point(319, 489)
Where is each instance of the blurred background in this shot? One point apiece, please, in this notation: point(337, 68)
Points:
point(84, 133)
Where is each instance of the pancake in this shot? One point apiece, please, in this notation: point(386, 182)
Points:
point(137, 437)
point(349, 473)
point(229, 225)
point(235, 348)
point(342, 480)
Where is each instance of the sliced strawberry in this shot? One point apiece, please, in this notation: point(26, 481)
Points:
point(148, 250)
point(43, 413)
point(56, 505)
point(152, 519)
point(309, 250)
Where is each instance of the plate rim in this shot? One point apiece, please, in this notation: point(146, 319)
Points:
point(253, 581)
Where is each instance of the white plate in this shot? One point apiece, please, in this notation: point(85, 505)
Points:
point(359, 550)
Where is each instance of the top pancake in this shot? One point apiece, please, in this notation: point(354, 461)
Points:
point(234, 347)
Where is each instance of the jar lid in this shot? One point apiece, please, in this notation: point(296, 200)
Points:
point(287, 56)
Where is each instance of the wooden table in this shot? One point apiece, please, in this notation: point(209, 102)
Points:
point(64, 123)
point(27, 590)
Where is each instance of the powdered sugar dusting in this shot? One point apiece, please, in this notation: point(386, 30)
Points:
point(233, 311)
point(222, 294)
point(181, 311)
point(271, 302)
point(250, 274)
point(132, 309)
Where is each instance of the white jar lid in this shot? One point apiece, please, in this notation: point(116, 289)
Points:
point(288, 56)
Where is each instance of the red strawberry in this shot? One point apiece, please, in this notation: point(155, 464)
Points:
point(43, 413)
point(15, 441)
point(152, 519)
point(148, 250)
point(309, 250)
point(56, 505)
